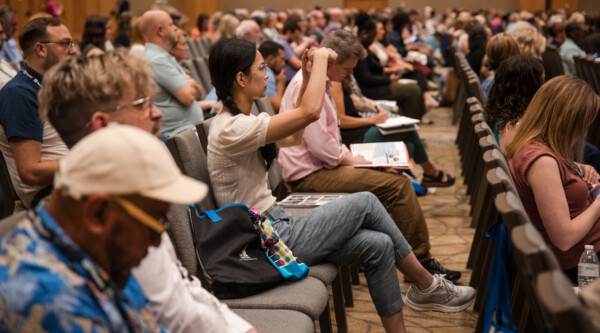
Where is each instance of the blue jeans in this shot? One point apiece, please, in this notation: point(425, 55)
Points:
point(353, 230)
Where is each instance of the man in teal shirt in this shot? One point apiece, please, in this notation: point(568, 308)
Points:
point(176, 96)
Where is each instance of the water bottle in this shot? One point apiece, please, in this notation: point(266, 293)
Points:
point(588, 268)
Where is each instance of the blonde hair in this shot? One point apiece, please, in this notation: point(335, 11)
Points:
point(136, 33)
point(226, 29)
point(79, 86)
point(559, 115)
point(531, 43)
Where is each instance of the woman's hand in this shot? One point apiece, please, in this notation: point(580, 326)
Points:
point(588, 173)
point(380, 117)
point(325, 51)
point(307, 57)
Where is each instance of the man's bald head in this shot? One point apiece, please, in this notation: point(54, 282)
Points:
point(157, 28)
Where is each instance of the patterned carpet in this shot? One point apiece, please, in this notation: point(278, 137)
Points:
point(447, 214)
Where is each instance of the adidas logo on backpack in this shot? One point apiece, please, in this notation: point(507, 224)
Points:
point(245, 257)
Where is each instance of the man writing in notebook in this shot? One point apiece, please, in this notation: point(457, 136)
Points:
point(323, 164)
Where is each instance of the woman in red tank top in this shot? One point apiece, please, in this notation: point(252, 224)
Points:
point(555, 189)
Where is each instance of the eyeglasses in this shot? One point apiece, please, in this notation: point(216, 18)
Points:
point(262, 67)
point(141, 104)
point(68, 44)
point(156, 225)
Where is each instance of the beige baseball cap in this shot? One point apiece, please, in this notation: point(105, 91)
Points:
point(121, 160)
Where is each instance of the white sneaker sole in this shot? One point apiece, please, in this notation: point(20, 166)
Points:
point(437, 307)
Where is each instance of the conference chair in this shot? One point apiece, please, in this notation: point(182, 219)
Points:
point(8, 196)
point(566, 313)
point(190, 157)
point(337, 277)
point(552, 63)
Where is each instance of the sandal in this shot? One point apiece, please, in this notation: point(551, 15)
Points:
point(437, 180)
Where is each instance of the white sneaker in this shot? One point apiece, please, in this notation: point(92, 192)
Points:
point(443, 296)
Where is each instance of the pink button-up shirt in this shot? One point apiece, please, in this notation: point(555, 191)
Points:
point(321, 145)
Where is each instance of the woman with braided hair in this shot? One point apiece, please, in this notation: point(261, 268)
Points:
point(355, 229)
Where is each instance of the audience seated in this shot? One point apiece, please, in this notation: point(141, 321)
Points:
point(7, 71)
point(355, 129)
point(500, 47)
point(202, 28)
point(553, 187)
point(293, 30)
point(177, 92)
point(353, 230)
point(67, 265)
point(531, 43)
point(273, 55)
point(478, 38)
point(397, 68)
point(515, 83)
point(249, 30)
point(379, 231)
point(403, 40)
point(30, 146)
point(575, 34)
point(178, 301)
point(226, 28)
point(122, 38)
point(376, 85)
point(321, 163)
point(137, 40)
point(9, 21)
point(317, 23)
point(96, 36)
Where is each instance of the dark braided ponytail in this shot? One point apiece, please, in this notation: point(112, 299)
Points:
point(227, 59)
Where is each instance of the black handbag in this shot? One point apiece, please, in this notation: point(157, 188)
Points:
point(229, 249)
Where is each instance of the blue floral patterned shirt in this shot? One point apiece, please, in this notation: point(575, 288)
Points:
point(48, 284)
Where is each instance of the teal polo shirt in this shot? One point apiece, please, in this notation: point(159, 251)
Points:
point(170, 77)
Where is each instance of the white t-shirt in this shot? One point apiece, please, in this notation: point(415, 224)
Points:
point(177, 298)
point(237, 169)
point(53, 148)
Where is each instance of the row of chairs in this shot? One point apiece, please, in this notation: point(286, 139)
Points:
point(589, 71)
point(199, 47)
point(552, 63)
point(306, 300)
point(198, 67)
point(541, 297)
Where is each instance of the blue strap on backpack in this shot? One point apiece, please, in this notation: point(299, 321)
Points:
point(497, 301)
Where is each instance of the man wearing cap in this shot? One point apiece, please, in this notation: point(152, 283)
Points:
point(72, 101)
point(67, 266)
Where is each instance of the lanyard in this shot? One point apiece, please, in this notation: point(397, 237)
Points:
point(35, 80)
point(109, 303)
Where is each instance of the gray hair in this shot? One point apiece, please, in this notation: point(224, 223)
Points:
point(244, 27)
point(345, 44)
point(6, 14)
point(79, 86)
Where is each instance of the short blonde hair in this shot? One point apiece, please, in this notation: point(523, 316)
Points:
point(79, 86)
point(559, 115)
point(531, 43)
point(226, 29)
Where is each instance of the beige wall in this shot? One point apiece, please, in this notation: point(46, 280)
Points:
point(591, 5)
